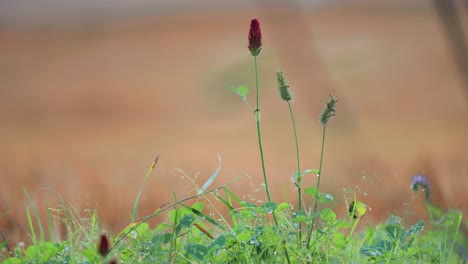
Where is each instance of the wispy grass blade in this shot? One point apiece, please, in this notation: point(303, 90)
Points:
point(32, 230)
point(137, 200)
point(36, 214)
point(212, 178)
point(50, 223)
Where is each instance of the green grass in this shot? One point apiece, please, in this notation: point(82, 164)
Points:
point(199, 230)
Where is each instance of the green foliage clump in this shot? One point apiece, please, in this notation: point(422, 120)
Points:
point(262, 232)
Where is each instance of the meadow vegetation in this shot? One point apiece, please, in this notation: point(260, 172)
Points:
point(197, 230)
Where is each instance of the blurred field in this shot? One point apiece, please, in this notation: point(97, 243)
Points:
point(85, 109)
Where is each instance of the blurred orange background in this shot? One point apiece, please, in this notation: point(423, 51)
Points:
point(90, 96)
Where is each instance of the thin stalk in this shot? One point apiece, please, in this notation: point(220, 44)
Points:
point(299, 176)
point(311, 228)
point(260, 146)
point(456, 234)
point(257, 119)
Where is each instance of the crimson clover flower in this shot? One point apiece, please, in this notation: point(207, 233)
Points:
point(104, 246)
point(255, 37)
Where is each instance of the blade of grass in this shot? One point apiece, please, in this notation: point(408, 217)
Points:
point(124, 233)
point(36, 214)
point(137, 200)
point(50, 222)
point(31, 227)
point(212, 178)
point(228, 204)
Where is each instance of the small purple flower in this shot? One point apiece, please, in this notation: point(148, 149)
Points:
point(421, 181)
point(255, 37)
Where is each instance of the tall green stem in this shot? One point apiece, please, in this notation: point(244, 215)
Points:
point(265, 180)
point(257, 119)
point(311, 228)
point(299, 175)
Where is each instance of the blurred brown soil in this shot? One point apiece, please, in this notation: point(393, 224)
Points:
point(84, 111)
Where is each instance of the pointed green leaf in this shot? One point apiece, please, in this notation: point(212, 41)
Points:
point(212, 178)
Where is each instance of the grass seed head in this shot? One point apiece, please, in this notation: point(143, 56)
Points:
point(329, 110)
point(283, 87)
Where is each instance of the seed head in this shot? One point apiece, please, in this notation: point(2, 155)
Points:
point(104, 246)
point(255, 37)
point(285, 92)
point(329, 110)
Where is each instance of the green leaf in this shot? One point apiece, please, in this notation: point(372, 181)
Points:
point(339, 240)
point(299, 217)
point(325, 198)
point(416, 228)
point(33, 252)
point(394, 231)
point(91, 254)
point(342, 224)
point(196, 250)
point(242, 90)
point(198, 206)
point(142, 229)
point(162, 239)
point(384, 246)
point(281, 207)
point(269, 207)
point(327, 215)
point(3, 244)
point(126, 254)
point(295, 176)
point(48, 251)
point(371, 251)
point(12, 261)
point(316, 172)
point(217, 244)
point(248, 205)
point(172, 216)
point(244, 236)
point(187, 220)
point(161, 227)
point(179, 213)
point(312, 191)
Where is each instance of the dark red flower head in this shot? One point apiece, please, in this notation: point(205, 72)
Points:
point(255, 37)
point(104, 246)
